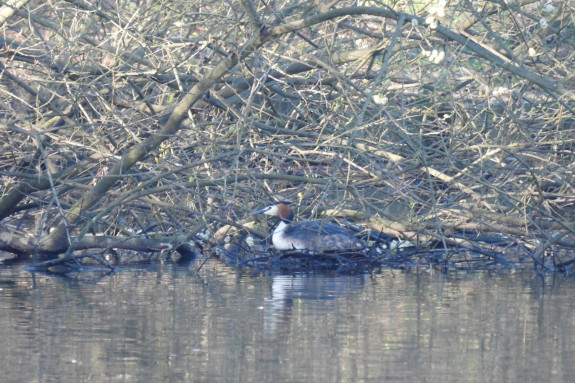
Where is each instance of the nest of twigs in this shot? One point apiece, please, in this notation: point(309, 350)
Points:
point(383, 251)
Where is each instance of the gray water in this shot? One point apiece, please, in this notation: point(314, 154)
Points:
point(168, 324)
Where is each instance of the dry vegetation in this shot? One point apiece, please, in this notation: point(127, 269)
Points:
point(140, 124)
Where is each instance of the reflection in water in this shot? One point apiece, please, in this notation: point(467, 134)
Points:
point(287, 289)
point(170, 324)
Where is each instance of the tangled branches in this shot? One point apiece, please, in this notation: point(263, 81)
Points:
point(140, 126)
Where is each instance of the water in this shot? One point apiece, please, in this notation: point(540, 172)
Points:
point(167, 324)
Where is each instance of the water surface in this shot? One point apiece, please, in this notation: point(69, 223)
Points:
point(168, 324)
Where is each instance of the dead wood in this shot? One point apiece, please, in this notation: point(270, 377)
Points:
point(140, 131)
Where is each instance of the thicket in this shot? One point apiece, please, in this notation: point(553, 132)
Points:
point(140, 125)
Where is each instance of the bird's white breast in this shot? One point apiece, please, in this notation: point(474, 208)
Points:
point(281, 242)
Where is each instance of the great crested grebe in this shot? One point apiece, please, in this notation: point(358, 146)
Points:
point(313, 236)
